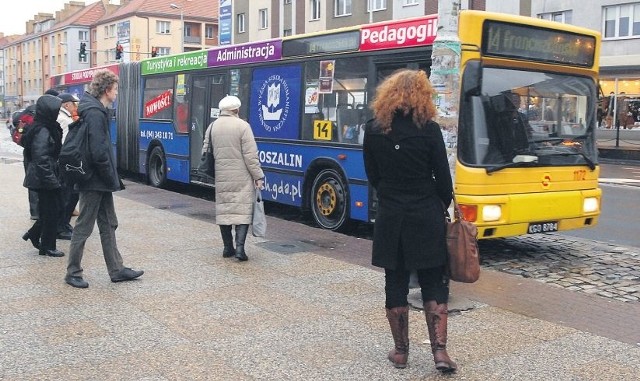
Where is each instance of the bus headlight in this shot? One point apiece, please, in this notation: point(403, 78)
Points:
point(590, 205)
point(491, 212)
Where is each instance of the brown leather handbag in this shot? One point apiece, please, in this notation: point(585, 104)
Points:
point(462, 246)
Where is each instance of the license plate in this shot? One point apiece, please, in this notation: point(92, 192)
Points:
point(543, 227)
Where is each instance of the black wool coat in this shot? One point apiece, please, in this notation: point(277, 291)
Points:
point(408, 167)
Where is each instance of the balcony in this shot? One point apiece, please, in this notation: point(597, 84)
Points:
point(193, 40)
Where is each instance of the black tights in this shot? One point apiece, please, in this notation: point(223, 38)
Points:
point(434, 285)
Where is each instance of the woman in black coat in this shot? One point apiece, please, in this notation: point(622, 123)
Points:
point(42, 143)
point(406, 162)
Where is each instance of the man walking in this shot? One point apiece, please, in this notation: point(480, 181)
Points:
point(96, 194)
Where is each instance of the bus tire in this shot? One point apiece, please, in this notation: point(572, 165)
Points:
point(157, 168)
point(330, 200)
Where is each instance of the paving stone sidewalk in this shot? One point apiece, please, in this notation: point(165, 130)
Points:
point(296, 316)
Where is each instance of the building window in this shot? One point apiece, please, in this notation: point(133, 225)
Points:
point(187, 30)
point(208, 31)
point(106, 31)
point(112, 30)
point(315, 9)
point(163, 51)
point(343, 7)
point(287, 1)
point(83, 35)
point(621, 21)
point(287, 32)
point(564, 17)
point(410, 2)
point(263, 15)
point(163, 27)
point(240, 22)
point(376, 5)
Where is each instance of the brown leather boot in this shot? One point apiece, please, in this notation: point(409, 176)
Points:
point(399, 322)
point(436, 316)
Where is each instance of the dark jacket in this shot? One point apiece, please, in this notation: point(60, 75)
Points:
point(409, 170)
point(105, 175)
point(42, 143)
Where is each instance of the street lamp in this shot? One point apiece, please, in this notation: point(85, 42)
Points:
point(175, 6)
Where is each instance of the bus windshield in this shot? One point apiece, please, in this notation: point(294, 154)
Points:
point(527, 118)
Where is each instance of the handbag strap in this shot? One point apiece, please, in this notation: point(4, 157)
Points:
point(457, 212)
point(209, 139)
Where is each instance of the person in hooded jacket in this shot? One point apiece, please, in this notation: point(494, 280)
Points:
point(42, 143)
point(238, 174)
point(406, 162)
point(96, 194)
point(23, 121)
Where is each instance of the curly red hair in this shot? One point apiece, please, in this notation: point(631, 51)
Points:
point(407, 91)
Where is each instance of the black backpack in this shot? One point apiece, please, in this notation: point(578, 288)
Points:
point(74, 159)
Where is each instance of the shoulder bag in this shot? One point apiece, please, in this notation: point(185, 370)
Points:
point(462, 247)
point(207, 164)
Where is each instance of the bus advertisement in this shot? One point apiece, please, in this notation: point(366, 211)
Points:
point(526, 156)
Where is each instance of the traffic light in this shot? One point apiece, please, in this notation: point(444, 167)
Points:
point(119, 51)
point(154, 51)
point(83, 51)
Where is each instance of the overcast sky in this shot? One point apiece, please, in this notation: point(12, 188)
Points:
point(15, 14)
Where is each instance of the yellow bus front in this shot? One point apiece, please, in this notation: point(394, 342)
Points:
point(526, 156)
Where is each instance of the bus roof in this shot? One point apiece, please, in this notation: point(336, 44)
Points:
point(392, 34)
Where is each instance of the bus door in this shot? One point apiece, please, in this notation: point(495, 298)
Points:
point(206, 92)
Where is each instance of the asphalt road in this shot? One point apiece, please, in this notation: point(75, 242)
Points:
point(619, 219)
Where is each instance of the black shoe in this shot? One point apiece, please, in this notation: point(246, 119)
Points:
point(228, 252)
point(126, 274)
point(52, 253)
point(241, 256)
point(64, 235)
point(26, 236)
point(76, 281)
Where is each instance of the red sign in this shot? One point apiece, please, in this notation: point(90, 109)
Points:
point(85, 76)
point(399, 34)
point(158, 104)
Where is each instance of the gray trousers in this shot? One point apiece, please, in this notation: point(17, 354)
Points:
point(95, 206)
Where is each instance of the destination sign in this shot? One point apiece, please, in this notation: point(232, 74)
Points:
point(339, 42)
point(502, 39)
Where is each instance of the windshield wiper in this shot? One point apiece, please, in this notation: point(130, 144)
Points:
point(500, 167)
point(586, 158)
point(549, 140)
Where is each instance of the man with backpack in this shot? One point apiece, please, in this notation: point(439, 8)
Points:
point(96, 192)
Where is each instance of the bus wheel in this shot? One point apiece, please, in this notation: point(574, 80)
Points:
point(329, 200)
point(157, 168)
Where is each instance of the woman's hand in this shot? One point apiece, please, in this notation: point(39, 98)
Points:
point(259, 183)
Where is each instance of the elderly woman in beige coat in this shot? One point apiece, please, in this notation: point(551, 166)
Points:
point(238, 174)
